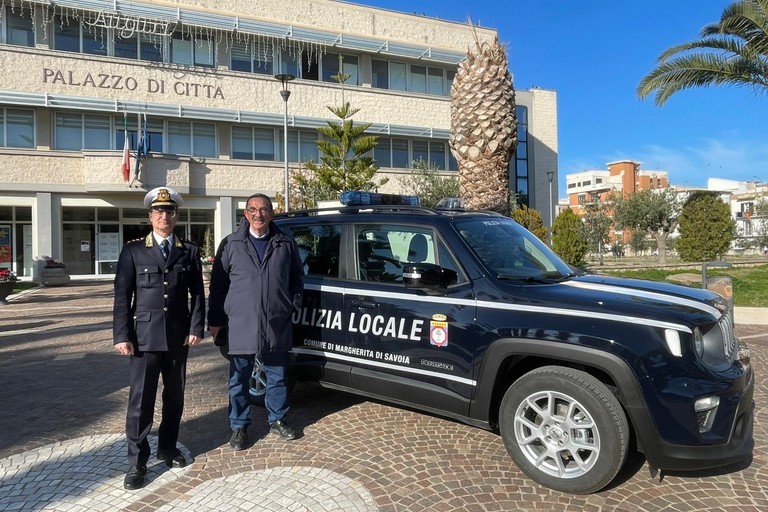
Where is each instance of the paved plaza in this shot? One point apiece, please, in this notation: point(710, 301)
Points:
point(63, 393)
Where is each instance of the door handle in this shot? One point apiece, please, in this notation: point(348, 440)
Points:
point(362, 304)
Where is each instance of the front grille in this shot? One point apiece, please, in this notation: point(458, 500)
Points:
point(729, 340)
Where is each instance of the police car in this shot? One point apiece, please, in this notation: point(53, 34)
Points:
point(467, 315)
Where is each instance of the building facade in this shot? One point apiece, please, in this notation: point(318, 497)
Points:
point(747, 200)
point(191, 86)
point(623, 176)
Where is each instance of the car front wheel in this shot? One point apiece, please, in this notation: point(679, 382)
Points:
point(564, 429)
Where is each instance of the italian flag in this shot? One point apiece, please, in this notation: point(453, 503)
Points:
point(125, 166)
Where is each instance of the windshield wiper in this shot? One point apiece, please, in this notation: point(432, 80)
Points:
point(552, 277)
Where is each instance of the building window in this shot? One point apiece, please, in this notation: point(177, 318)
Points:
point(153, 135)
point(519, 168)
point(389, 75)
point(437, 152)
point(19, 28)
point(350, 65)
point(402, 153)
point(420, 151)
point(142, 47)
point(419, 78)
point(196, 139)
point(302, 146)
point(398, 76)
point(290, 62)
point(75, 132)
point(17, 128)
point(192, 50)
point(379, 74)
point(252, 57)
point(71, 35)
point(435, 81)
point(253, 143)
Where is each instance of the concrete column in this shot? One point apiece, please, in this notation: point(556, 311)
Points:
point(46, 230)
point(223, 219)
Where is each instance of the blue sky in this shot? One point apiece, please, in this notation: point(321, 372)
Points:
point(594, 53)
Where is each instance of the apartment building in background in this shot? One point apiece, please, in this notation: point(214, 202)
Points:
point(193, 84)
point(624, 176)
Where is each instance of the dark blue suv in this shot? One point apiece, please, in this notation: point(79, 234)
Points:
point(469, 316)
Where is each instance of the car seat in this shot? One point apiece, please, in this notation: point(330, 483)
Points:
point(418, 250)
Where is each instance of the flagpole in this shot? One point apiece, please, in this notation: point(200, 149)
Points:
point(126, 163)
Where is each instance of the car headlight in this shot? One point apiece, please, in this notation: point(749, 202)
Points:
point(698, 342)
point(715, 345)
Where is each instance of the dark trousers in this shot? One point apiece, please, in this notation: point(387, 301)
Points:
point(276, 397)
point(146, 368)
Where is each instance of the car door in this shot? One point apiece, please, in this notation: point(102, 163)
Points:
point(319, 325)
point(408, 345)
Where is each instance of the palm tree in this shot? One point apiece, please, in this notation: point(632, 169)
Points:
point(483, 126)
point(733, 51)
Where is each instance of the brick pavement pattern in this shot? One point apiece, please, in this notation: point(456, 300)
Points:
point(63, 391)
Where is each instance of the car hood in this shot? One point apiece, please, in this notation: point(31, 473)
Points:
point(635, 298)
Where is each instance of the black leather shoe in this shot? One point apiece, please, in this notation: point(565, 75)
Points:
point(171, 458)
point(134, 479)
point(239, 439)
point(283, 429)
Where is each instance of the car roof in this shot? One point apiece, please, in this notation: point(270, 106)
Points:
point(401, 212)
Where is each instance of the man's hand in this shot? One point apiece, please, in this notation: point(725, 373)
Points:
point(214, 330)
point(125, 348)
point(191, 340)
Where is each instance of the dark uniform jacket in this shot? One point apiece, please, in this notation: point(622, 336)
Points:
point(256, 298)
point(158, 302)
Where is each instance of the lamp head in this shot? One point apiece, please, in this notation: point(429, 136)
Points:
point(284, 78)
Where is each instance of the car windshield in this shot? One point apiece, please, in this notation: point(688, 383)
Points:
point(510, 251)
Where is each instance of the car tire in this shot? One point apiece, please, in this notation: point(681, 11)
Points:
point(564, 429)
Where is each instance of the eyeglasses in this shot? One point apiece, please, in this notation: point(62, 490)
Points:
point(262, 211)
point(169, 213)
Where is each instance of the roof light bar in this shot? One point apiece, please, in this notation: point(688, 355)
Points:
point(358, 198)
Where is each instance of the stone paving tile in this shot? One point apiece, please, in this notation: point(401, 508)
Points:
point(63, 391)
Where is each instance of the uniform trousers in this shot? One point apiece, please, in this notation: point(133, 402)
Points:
point(146, 368)
point(276, 397)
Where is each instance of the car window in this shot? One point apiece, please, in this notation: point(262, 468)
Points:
point(509, 250)
point(383, 251)
point(319, 246)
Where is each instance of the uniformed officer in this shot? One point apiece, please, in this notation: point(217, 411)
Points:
point(159, 312)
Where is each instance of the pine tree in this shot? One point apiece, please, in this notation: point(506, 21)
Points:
point(568, 239)
point(530, 219)
point(346, 161)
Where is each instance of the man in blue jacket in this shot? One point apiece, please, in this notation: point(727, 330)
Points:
point(256, 283)
point(159, 312)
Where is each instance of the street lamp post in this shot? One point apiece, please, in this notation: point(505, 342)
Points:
point(285, 93)
point(550, 177)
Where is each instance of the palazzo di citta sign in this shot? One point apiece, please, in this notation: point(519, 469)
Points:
point(129, 83)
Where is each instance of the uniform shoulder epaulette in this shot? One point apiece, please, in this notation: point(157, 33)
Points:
point(134, 241)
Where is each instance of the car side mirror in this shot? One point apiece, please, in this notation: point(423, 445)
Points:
point(428, 276)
